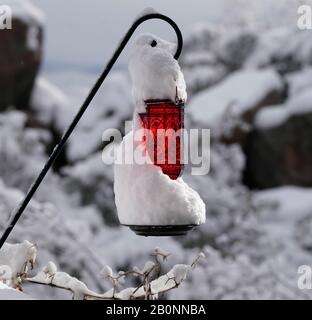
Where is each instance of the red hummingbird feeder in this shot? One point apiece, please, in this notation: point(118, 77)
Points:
point(166, 151)
point(165, 121)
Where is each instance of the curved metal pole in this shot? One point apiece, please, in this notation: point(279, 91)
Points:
point(58, 148)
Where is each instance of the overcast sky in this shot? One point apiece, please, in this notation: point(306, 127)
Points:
point(86, 32)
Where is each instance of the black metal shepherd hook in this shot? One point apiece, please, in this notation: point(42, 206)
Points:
point(58, 148)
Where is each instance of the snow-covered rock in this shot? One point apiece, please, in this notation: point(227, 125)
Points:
point(281, 132)
point(273, 116)
point(20, 55)
point(240, 94)
point(27, 11)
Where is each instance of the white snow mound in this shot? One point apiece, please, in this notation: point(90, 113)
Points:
point(146, 196)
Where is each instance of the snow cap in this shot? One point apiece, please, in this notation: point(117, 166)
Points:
point(154, 72)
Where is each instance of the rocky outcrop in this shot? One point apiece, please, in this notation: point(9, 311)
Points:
point(229, 108)
point(281, 155)
point(279, 149)
point(20, 58)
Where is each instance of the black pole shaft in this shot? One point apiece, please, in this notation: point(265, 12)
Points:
point(58, 148)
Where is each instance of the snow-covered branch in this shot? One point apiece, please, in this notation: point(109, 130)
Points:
point(16, 259)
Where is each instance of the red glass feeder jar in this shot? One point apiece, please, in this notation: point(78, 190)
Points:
point(166, 151)
point(165, 120)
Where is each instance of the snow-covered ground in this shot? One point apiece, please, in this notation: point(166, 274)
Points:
point(7, 293)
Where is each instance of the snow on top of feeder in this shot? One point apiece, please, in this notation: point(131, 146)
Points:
point(146, 196)
point(154, 72)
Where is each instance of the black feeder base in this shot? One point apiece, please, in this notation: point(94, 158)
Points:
point(162, 231)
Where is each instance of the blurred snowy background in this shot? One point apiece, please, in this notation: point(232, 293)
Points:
point(249, 75)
